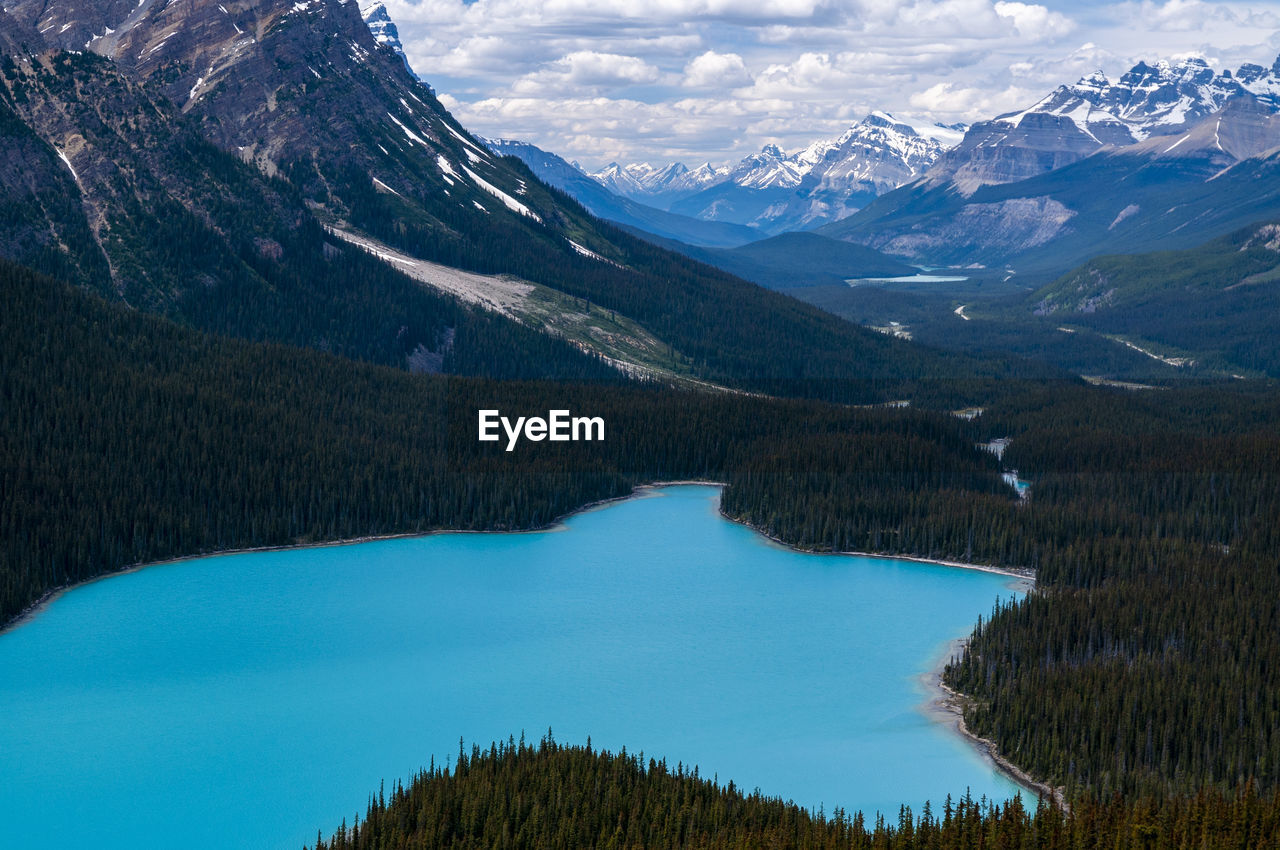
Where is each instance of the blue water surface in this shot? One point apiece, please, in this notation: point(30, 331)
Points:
point(249, 700)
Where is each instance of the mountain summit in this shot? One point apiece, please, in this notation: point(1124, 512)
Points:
point(384, 29)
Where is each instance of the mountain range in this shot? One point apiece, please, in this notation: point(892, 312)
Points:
point(269, 169)
point(1076, 120)
point(773, 191)
point(1167, 155)
point(620, 207)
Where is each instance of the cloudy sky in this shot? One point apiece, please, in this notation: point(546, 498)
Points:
point(698, 80)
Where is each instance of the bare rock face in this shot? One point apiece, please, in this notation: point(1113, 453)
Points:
point(982, 231)
point(1267, 237)
point(125, 164)
point(18, 38)
point(302, 88)
point(1245, 127)
point(1000, 152)
point(271, 79)
point(42, 222)
point(71, 24)
point(262, 75)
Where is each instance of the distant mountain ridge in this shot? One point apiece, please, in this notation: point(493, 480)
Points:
point(1168, 153)
point(658, 185)
point(1077, 120)
point(773, 191)
point(605, 203)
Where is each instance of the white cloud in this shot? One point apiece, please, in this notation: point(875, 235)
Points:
point(587, 69)
point(1179, 15)
point(1047, 72)
point(713, 79)
point(1035, 22)
point(952, 102)
point(716, 69)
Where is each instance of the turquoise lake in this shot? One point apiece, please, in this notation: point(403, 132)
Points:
point(249, 700)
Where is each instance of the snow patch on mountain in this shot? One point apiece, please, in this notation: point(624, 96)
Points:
point(511, 203)
point(470, 144)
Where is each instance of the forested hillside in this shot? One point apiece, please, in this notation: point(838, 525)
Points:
point(1216, 303)
point(126, 438)
point(734, 332)
point(552, 795)
point(1148, 660)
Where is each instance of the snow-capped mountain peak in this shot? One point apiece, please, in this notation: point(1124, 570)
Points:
point(768, 169)
point(665, 175)
point(642, 180)
point(704, 175)
point(384, 31)
point(879, 150)
point(1151, 100)
point(619, 180)
point(1146, 103)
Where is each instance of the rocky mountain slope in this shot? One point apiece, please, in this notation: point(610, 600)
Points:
point(107, 185)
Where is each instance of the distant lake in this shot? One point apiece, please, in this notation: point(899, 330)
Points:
point(249, 700)
point(913, 278)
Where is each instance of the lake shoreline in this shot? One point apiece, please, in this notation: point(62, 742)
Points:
point(52, 594)
point(1025, 574)
point(946, 706)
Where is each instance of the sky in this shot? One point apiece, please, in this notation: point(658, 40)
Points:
point(714, 80)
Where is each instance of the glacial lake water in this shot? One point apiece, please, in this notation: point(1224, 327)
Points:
point(248, 700)
point(913, 278)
